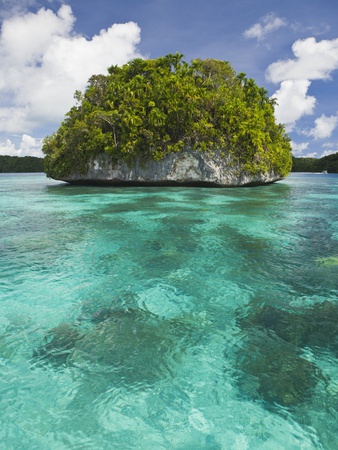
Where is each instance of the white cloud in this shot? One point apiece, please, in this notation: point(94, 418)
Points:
point(310, 155)
point(314, 61)
point(324, 127)
point(14, 119)
point(298, 149)
point(8, 8)
point(329, 144)
point(43, 62)
point(328, 152)
point(316, 30)
point(332, 147)
point(267, 25)
point(28, 146)
point(26, 38)
point(293, 102)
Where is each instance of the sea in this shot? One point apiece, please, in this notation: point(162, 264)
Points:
point(168, 317)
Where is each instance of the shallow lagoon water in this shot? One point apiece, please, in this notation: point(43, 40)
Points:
point(168, 318)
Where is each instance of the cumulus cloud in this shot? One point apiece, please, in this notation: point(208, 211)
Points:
point(324, 127)
point(313, 61)
point(332, 147)
point(293, 102)
point(29, 146)
point(298, 149)
point(265, 26)
point(10, 7)
point(310, 155)
point(329, 144)
point(328, 152)
point(44, 61)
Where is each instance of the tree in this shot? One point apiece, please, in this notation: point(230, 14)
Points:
point(304, 164)
point(149, 108)
point(21, 164)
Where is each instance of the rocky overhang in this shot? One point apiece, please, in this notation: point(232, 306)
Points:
point(185, 168)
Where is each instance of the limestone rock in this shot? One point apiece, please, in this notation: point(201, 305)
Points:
point(188, 167)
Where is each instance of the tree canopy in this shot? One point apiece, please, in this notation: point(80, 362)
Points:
point(149, 108)
point(21, 164)
point(305, 164)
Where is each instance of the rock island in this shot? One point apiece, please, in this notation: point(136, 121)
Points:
point(169, 122)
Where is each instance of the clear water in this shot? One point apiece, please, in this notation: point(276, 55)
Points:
point(168, 318)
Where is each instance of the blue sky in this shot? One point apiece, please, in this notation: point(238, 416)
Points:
point(49, 48)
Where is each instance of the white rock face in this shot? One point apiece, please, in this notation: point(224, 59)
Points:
point(189, 167)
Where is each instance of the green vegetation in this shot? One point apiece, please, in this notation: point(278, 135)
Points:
point(149, 108)
point(329, 163)
point(21, 164)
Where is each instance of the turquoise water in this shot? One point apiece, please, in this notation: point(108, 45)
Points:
point(168, 318)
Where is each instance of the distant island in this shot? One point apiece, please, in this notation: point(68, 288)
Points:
point(17, 164)
point(327, 163)
point(167, 122)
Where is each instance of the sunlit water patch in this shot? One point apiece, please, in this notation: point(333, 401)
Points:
point(168, 318)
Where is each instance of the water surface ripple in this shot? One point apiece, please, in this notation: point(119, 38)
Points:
point(168, 318)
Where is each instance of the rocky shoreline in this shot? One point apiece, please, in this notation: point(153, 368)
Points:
point(185, 168)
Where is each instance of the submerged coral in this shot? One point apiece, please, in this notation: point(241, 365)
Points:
point(315, 326)
point(270, 358)
point(272, 370)
point(133, 345)
point(59, 345)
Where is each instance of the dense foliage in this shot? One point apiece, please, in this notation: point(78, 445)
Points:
point(328, 163)
point(21, 164)
point(150, 108)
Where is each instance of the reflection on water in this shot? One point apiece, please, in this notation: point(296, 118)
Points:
point(169, 318)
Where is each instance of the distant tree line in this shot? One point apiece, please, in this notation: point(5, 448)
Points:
point(328, 163)
point(33, 164)
point(21, 164)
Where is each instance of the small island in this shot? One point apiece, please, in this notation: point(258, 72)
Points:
point(168, 122)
